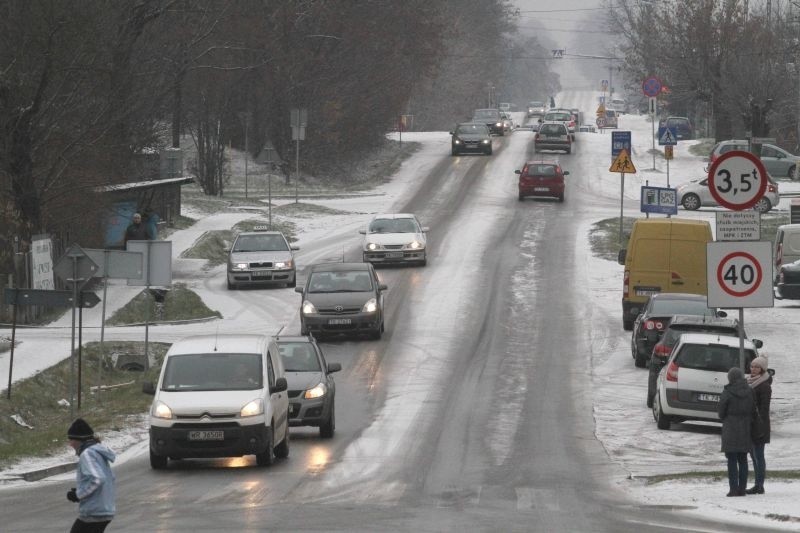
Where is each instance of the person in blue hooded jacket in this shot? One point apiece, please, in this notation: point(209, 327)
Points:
point(95, 491)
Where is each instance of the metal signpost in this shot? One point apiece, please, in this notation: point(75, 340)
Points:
point(157, 270)
point(622, 164)
point(667, 137)
point(651, 87)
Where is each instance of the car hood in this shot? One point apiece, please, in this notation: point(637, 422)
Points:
point(393, 238)
point(248, 257)
point(323, 300)
point(303, 380)
point(193, 403)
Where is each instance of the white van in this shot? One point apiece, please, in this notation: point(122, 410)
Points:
point(220, 396)
point(787, 245)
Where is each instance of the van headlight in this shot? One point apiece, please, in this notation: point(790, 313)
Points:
point(256, 407)
point(371, 306)
point(317, 392)
point(372, 246)
point(161, 410)
point(308, 308)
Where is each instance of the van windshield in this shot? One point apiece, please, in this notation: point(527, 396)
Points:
point(213, 371)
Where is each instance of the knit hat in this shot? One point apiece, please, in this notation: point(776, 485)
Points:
point(735, 375)
point(80, 430)
point(761, 362)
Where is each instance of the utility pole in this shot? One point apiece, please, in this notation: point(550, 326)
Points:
point(245, 117)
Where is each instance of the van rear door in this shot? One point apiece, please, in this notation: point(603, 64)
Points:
point(687, 260)
point(649, 276)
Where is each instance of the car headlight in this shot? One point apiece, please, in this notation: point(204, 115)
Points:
point(498, 124)
point(308, 308)
point(161, 410)
point(371, 306)
point(284, 264)
point(372, 246)
point(486, 141)
point(317, 392)
point(256, 407)
point(238, 266)
point(415, 245)
point(456, 141)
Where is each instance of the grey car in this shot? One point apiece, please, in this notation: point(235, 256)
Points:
point(342, 298)
point(777, 161)
point(261, 258)
point(492, 118)
point(471, 137)
point(311, 388)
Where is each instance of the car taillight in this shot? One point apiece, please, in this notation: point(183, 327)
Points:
point(626, 284)
point(662, 350)
point(653, 324)
point(672, 372)
point(771, 188)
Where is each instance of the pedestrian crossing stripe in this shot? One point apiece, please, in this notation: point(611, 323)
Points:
point(623, 163)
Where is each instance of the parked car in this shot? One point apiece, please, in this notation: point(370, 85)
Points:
point(261, 257)
point(536, 108)
point(777, 161)
point(471, 137)
point(311, 387)
point(689, 387)
point(695, 193)
point(395, 238)
point(492, 119)
point(221, 395)
point(619, 105)
point(609, 120)
point(787, 245)
point(656, 315)
point(542, 179)
point(553, 136)
point(679, 325)
point(787, 283)
point(682, 126)
point(342, 298)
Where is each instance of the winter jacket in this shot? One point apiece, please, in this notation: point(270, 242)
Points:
point(95, 488)
point(763, 395)
point(736, 410)
point(137, 232)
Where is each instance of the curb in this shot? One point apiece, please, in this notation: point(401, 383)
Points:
point(37, 475)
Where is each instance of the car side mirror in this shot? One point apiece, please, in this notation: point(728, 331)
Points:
point(280, 386)
point(621, 256)
point(295, 248)
point(566, 172)
point(382, 287)
point(757, 343)
point(148, 388)
point(298, 289)
point(517, 172)
point(362, 231)
point(334, 367)
point(722, 314)
point(425, 229)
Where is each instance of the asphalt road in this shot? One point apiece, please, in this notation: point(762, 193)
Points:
point(473, 413)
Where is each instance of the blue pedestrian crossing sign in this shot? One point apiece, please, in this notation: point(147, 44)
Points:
point(667, 136)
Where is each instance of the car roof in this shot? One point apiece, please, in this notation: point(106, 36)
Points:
point(393, 216)
point(272, 232)
point(220, 343)
point(678, 296)
point(710, 338)
point(339, 267)
point(702, 320)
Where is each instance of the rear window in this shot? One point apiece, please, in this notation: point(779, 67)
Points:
point(674, 332)
point(541, 170)
point(553, 129)
point(713, 357)
point(681, 307)
point(559, 117)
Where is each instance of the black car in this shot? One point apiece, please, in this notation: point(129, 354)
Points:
point(679, 325)
point(492, 118)
point(787, 282)
point(471, 137)
point(656, 316)
point(342, 298)
point(681, 125)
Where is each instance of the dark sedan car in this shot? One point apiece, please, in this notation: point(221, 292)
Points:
point(679, 325)
point(471, 137)
point(492, 118)
point(342, 298)
point(312, 390)
point(788, 281)
point(656, 316)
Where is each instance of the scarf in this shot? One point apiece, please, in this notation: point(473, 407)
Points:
point(755, 381)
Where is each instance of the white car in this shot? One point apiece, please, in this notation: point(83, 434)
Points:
point(690, 384)
point(395, 238)
point(695, 193)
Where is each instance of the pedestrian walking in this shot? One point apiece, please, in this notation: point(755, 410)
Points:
point(736, 410)
point(760, 381)
point(95, 492)
point(137, 230)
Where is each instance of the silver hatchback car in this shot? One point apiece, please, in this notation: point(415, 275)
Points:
point(695, 194)
point(261, 257)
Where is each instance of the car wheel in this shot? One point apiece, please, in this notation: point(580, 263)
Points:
point(231, 286)
point(627, 325)
point(293, 283)
point(662, 420)
point(639, 360)
point(267, 457)
point(453, 151)
point(790, 174)
point(157, 462)
point(282, 449)
point(691, 202)
point(763, 205)
point(376, 335)
point(327, 428)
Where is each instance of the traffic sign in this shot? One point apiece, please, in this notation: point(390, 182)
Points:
point(659, 200)
point(738, 226)
point(668, 152)
point(48, 298)
point(737, 180)
point(622, 163)
point(620, 140)
point(651, 86)
point(604, 84)
point(601, 122)
point(601, 110)
point(75, 266)
point(652, 105)
point(667, 136)
point(739, 274)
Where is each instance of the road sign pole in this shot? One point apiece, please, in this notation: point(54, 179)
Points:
point(653, 128)
point(72, 338)
point(80, 350)
point(621, 197)
point(101, 356)
point(147, 306)
point(13, 339)
point(741, 335)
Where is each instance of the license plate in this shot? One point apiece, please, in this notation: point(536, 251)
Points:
point(206, 435)
point(647, 291)
point(339, 321)
point(541, 189)
point(708, 397)
point(394, 255)
point(262, 274)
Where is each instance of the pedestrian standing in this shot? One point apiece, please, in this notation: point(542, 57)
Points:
point(137, 230)
point(760, 381)
point(736, 410)
point(95, 491)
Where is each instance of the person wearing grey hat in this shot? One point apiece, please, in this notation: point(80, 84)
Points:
point(736, 410)
point(95, 491)
point(760, 381)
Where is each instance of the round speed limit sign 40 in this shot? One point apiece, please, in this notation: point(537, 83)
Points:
point(739, 274)
point(737, 180)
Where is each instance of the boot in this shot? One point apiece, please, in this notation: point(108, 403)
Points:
point(755, 489)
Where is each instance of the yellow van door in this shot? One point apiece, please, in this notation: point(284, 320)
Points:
point(687, 264)
point(649, 276)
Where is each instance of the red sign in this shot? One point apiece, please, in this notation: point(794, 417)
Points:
point(739, 274)
point(737, 180)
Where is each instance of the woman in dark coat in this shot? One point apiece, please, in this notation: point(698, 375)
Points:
point(736, 410)
point(760, 381)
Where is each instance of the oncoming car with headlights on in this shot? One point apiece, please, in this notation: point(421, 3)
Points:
point(261, 257)
point(395, 238)
point(471, 137)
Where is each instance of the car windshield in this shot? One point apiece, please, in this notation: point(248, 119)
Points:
point(535, 104)
point(213, 371)
point(393, 225)
point(475, 129)
point(344, 281)
point(260, 243)
point(714, 357)
point(299, 357)
point(663, 307)
point(487, 113)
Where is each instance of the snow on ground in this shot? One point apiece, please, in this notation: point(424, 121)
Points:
point(623, 423)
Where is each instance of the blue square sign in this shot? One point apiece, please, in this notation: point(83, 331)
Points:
point(620, 140)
